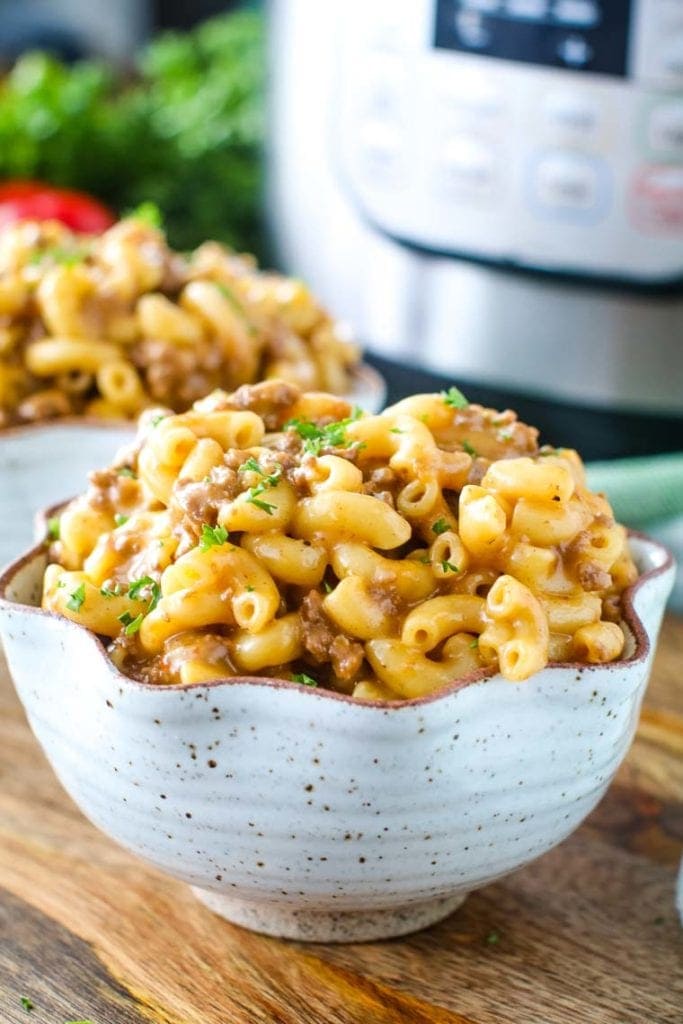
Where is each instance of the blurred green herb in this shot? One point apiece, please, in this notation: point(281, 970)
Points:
point(183, 135)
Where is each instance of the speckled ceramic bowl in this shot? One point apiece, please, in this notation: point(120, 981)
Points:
point(306, 814)
point(45, 463)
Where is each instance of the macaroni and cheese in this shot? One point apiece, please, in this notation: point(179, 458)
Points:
point(109, 325)
point(285, 534)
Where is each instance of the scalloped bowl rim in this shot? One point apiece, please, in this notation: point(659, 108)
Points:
point(641, 651)
point(365, 374)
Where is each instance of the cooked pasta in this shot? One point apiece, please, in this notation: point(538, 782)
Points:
point(109, 325)
point(280, 533)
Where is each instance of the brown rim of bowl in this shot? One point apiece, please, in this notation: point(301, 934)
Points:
point(640, 653)
point(362, 373)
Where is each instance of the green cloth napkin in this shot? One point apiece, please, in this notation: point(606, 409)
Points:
point(647, 494)
point(641, 491)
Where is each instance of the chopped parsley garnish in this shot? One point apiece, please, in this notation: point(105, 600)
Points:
point(249, 588)
point(504, 435)
point(269, 480)
point(265, 506)
point(454, 398)
point(306, 680)
point(76, 598)
point(58, 254)
point(120, 519)
point(236, 304)
point(251, 466)
point(328, 587)
point(212, 537)
point(474, 643)
point(53, 528)
point(492, 938)
point(26, 1003)
point(448, 567)
point(425, 559)
point(396, 430)
point(60, 584)
point(127, 471)
point(440, 526)
point(114, 591)
point(316, 438)
point(131, 624)
point(145, 583)
point(469, 449)
point(148, 213)
point(156, 420)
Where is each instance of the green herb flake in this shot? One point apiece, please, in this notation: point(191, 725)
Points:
point(333, 435)
point(425, 559)
point(396, 430)
point(448, 567)
point(120, 519)
point(136, 587)
point(440, 526)
point(493, 938)
point(26, 1003)
point(131, 625)
point(127, 471)
point(504, 435)
point(328, 587)
point(58, 254)
point(147, 213)
point(249, 589)
point(301, 677)
point(114, 591)
point(212, 537)
point(60, 584)
point(53, 528)
point(156, 420)
point(265, 506)
point(467, 447)
point(474, 643)
point(236, 304)
point(454, 398)
point(251, 466)
point(76, 599)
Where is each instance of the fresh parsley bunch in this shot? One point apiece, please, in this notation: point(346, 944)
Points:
point(186, 132)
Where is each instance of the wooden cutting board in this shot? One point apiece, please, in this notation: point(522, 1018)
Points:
point(586, 935)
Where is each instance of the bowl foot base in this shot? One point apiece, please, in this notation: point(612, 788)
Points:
point(311, 925)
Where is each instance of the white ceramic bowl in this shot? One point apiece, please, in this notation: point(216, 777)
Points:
point(305, 814)
point(46, 463)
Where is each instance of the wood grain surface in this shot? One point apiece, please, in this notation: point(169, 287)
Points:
point(586, 935)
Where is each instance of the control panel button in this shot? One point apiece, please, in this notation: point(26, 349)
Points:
point(574, 51)
point(657, 200)
point(568, 184)
point(572, 112)
point(468, 167)
point(577, 13)
point(665, 128)
point(382, 150)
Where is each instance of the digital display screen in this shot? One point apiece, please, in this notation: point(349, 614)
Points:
point(578, 35)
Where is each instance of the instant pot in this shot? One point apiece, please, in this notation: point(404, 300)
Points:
point(491, 191)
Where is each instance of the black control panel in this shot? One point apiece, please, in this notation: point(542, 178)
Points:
point(577, 35)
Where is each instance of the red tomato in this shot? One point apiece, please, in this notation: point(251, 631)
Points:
point(33, 200)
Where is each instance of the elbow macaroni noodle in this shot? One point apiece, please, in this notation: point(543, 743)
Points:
point(108, 326)
point(382, 556)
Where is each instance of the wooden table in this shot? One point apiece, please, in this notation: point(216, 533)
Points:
point(586, 934)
